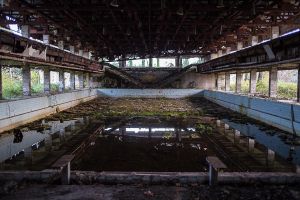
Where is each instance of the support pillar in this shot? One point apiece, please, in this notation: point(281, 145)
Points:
point(150, 62)
point(273, 83)
point(298, 87)
point(275, 32)
point(80, 52)
point(25, 31)
point(228, 50)
point(238, 82)
point(251, 143)
point(72, 49)
point(237, 135)
point(254, 40)
point(46, 80)
point(26, 80)
point(80, 77)
point(46, 39)
point(219, 82)
point(213, 56)
point(1, 96)
point(87, 82)
point(239, 46)
point(72, 80)
point(60, 44)
point(227, 81)
point(61, 87)
point(86, 54)
point(253, 81)
point(178, 61)
point(270, 156)
point(122, 63)
point(91, 82)
point(220, 53)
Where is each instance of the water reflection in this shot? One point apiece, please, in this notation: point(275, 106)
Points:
point(145, 144)
point(24, 148)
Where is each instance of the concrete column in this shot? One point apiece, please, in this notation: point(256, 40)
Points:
point(270, 156)
point(237, 135)
point(61, 87)
point(25, 31)
point(298, 87)
point(86, 54)
point(60, 44)
point(1, 82)
point(72, 80)
point(213, 56)
point(122, 63)
point(228, 50)
point(72, 49)
point(219, 83)
point(87, 78)
point(150, 62)
point(251, 143)
point(80, 52)
point(220, 53)
point(178, 61)
point(80, 77)
point(46, 80)
point(275, 32)
point(238, 82)
point(253, 81)
point(239, 45)
point(227, 81)
point(91, 82)
point(46, 39)
point(26, 80)
point(273, 82)
point(254, 40)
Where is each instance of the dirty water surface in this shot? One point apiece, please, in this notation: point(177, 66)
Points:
point(149, 135)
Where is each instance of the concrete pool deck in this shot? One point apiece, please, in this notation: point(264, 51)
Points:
point(90, 177)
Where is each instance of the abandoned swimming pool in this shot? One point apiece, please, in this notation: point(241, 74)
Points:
point(170, 143)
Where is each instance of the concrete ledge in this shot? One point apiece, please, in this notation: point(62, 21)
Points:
point(90, 177)
point(19, 112)
point(149, 93)
point(284, 116)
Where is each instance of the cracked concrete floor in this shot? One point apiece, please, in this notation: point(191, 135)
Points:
point(126, 192)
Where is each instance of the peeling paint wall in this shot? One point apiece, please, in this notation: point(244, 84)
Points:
point(149, 93)
point(19, 112)
point(284, 116)
point(196, 80)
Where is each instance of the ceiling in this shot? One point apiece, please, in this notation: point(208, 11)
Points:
point(121, 29)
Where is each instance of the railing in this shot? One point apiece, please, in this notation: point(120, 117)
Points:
point(18, 48)
point(286, 49)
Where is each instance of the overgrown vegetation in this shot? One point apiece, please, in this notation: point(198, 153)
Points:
point(36, 85)
point(54, 87)
point(286, 90)
point(11, 82)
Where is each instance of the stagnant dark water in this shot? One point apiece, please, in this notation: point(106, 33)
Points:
point(154, 144)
